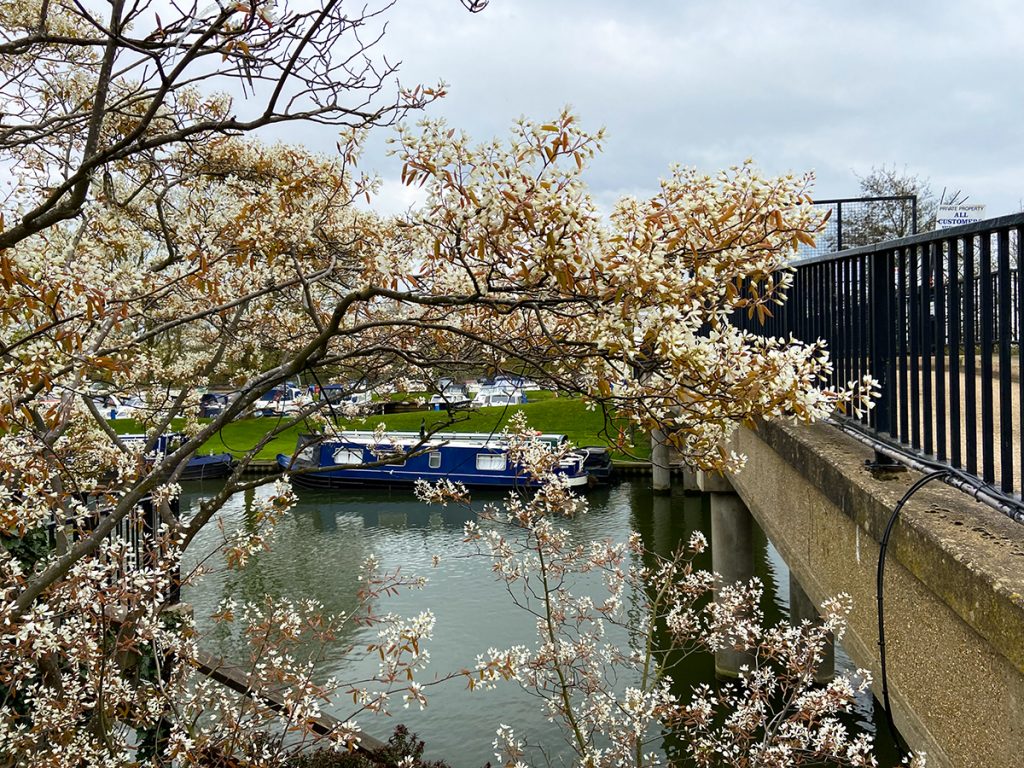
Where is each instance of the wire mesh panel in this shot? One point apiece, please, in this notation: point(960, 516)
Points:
point(854, 222)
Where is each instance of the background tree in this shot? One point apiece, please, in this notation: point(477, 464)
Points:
point(889, 220)
point(879, 220)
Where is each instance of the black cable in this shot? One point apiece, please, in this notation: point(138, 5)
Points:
point(330, 405)
point(961, 479)
point(879, 585)
point(958, 478)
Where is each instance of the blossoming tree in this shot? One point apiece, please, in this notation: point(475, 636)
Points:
point(149, 244)
point(617, 699)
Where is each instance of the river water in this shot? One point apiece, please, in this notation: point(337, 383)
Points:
point(316, 552)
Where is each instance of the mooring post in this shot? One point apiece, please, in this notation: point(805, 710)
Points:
point(732, 555)
point(661, 476)
point(801, 607)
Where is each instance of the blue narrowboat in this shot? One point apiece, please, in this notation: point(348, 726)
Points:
point(473, 459)
point(207, 467)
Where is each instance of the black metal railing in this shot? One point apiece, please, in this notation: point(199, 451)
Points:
point(937, 319)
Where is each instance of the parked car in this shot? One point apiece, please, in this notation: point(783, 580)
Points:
point(282, 400)
point(213, 404)
point(490, 396)
point(345, 394)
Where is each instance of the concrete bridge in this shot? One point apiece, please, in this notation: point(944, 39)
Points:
point(938, 319)
point(954, 582)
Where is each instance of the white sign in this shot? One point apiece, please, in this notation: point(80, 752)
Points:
point(955, 215)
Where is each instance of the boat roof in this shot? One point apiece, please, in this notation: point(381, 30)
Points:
point(353, 385)
point(460, 439)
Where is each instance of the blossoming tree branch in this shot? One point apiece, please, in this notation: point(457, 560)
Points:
point(152, 243)
point(615, 701)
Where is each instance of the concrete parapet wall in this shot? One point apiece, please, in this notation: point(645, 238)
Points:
point(954, 585)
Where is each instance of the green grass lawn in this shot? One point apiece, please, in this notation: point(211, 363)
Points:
point(553, 415)
point(399, 397)
point(545, 412)
point(240, 436)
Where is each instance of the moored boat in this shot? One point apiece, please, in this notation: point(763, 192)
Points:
point(207, 467)
point(597, 460)
point(475, 460)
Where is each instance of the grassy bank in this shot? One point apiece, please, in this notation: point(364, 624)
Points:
point(558, 415)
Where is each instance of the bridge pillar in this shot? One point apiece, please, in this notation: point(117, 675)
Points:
point(661, 476)
point(689, 479)
point(693, 511)
point(802, 607)
point(732, 554)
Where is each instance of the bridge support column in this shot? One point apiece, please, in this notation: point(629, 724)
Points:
point(732, 554)
point(802, 607)
point(689, 479)
point(661, 475)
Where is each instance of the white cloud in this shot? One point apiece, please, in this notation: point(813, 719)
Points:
point(394, 197)
point(797, 85)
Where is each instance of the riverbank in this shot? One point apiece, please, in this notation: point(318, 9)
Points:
point(560, 415)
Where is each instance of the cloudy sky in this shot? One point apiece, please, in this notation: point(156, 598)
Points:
point(935, 87)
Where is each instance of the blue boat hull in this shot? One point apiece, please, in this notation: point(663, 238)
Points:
point(597, 461)
point(473, 462)
point(334, 479)
point(214, 466)
point(209, 467)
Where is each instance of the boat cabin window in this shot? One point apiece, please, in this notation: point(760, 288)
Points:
point(435, 460)
point(494, 462)
point(306, 454)
point(348, 456)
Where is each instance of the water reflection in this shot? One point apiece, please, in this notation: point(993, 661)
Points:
point(316, 552)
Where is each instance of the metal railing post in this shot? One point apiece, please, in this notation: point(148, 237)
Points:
point(883, 361)
point(839, 226)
